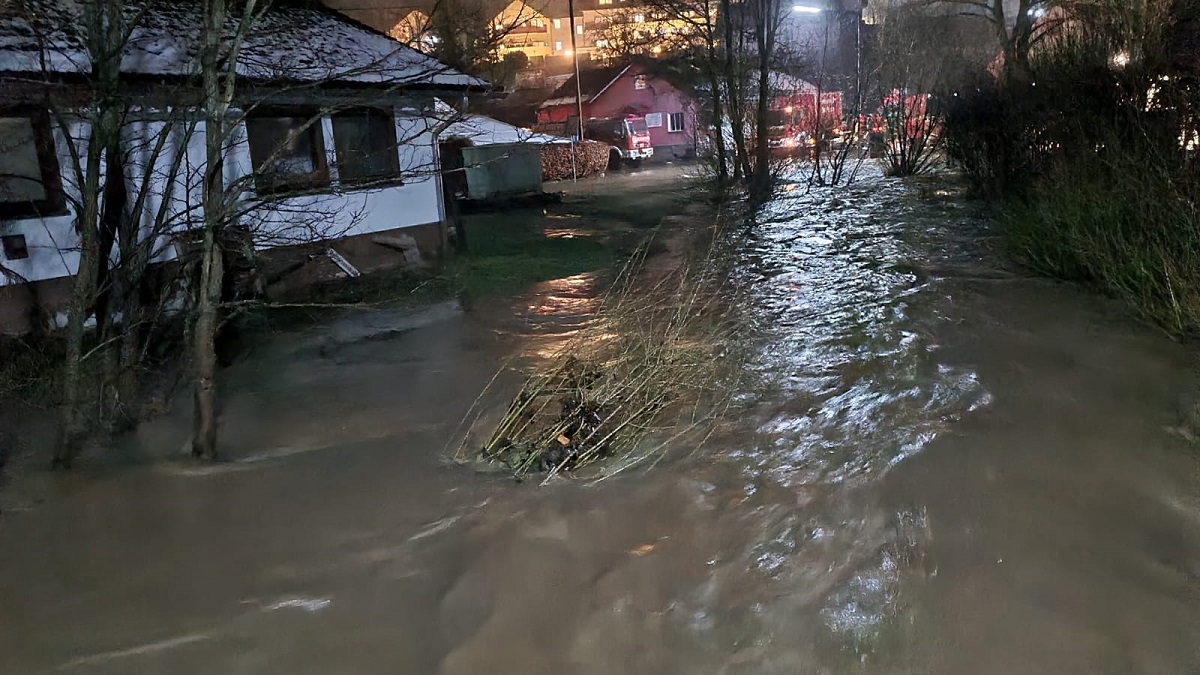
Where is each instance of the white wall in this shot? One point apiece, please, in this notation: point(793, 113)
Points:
point(53, 244)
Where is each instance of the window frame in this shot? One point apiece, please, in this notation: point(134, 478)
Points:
point(54, 203)
point(318, 179)
point(396, 177)
point(671, 117)
point(640, 82)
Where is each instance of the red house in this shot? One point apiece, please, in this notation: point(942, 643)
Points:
point(617, 91)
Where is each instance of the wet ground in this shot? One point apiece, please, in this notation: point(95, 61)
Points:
point(940, 466)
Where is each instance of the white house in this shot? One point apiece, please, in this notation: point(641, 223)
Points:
point(335, 138)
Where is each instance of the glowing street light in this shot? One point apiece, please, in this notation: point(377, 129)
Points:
point(806, 9)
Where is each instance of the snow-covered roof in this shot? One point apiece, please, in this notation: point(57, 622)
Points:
point(288, 42)
point(481, 130)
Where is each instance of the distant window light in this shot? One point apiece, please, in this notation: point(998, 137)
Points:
point(639, 18)
point(606, 2)
point(639, 82)
point(14, 247)
point(579, 29)
point(602, 43)
point(558, 46)
point(558, 23)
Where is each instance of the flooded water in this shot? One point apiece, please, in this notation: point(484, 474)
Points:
point(939, 465)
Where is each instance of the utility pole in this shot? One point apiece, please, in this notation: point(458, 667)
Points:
point(578, 88)
point(575, 58)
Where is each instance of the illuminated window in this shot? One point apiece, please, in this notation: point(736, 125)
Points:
point(639, 18)
point(639, 82)
point(579, 29)
point(557, 23)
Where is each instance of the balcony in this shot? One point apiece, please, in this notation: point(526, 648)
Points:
point(525, 29)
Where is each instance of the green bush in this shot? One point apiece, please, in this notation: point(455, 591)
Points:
point(1085, 162)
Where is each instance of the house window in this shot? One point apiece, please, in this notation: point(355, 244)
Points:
point(606, 2)
point(602, 43)
point(675, 122)
point(537, 23)
point(558, 46)
point(639, 18)
point(287, 149)
point(557, 24)
point(29, 181)
point(579, 29)
point(639, 82)
point(14, 247)
point(364, 140)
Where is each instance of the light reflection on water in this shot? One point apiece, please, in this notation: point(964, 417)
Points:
point(848, 384)
point(852, 365)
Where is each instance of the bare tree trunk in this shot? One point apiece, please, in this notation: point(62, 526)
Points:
point(104, 45)
point(218, 59)
point(718, 115)
point(204, 443)
point(216, 104)
point(733, 84)
point(766, 21)
point(74, 425)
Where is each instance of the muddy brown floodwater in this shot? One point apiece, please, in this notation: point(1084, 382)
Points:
point(940, 465)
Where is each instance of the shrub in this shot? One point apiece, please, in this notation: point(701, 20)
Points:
point(1086, 162)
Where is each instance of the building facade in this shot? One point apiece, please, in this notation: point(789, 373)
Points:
point(347, 155)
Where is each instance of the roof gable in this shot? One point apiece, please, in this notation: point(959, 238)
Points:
point(592, 83)
point(288, 43)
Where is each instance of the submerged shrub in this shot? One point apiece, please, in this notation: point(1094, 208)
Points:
point(1090, 163)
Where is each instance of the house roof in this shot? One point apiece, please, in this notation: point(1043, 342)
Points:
point(295, 43)
point(482, 130)
point(592, 83)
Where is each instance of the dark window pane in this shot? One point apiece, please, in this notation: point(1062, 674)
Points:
point(20, 168)
point(284, 152)
point(365, 142)
point(14, 247)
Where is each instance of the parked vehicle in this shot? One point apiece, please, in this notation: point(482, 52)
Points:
point(629, 137)
point(797, 125)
